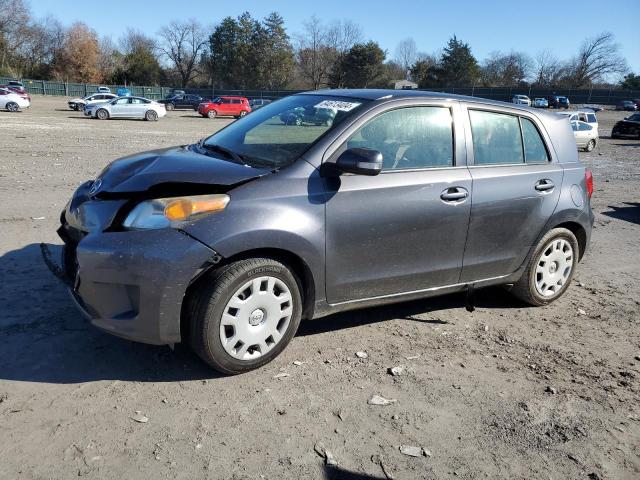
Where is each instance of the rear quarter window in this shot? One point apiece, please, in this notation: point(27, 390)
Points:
point(534, 148)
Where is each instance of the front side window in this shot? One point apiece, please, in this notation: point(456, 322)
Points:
point(121, 101)
point(496, 138)
point(408, 138)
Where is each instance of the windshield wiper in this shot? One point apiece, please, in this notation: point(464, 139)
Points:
point(224, 150)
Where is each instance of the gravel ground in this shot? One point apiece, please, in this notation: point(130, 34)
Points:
point(503, 392)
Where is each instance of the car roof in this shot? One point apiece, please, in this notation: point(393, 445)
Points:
point(388, 94)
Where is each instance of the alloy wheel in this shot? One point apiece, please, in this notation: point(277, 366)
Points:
point(256, 318)
point(554, 267)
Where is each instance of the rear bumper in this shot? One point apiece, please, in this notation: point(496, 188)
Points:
point(132, 284)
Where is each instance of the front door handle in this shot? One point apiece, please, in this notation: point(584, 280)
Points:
point(454, 194)
point(544, 185)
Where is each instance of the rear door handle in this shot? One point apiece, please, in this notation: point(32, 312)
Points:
point(454, 194)
point(544, 185)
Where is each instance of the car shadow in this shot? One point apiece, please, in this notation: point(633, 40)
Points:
point(630, 213)
point(627, 144)
point(339, 473)
point(45, 339)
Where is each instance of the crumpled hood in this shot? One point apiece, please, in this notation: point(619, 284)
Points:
point(174, 165)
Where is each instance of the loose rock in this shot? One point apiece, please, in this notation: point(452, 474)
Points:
point(362, 355)
point(329, 459)
point(396, 371)
point(139, 417)
point(380, 400)
point(281, 375)
point(550, 390)
point(412, 451)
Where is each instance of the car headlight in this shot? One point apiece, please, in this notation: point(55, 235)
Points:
point(173, 212)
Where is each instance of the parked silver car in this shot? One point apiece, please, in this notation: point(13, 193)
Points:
point(230, 242)
point(521, 100)
point(80, 103)
point(126, 107)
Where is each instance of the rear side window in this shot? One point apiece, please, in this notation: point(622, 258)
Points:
point(534, 149)
point(502, 139)
point(591, 118)
point(496, 138)
point(408, 138)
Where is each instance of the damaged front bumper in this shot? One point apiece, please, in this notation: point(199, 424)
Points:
point(131, 284)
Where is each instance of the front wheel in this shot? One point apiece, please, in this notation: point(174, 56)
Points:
point(245, 314)
point(170, 106)
point(243, 113)
point(590, 146)
point(151, 116)
point(550, 268)
point(12, 107)
point(211, 114)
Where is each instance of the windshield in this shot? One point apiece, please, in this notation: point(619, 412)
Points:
point(278, 133)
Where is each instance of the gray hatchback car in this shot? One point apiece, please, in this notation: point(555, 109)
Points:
point(228, 243)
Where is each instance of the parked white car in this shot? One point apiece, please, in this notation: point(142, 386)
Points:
point(587, 116)
point(11, 101)
point(103, 90)
point(586, 136)
point(126, 107)
point(521, 100)
point(80, 103)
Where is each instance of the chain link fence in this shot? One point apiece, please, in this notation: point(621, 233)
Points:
point(576, 96)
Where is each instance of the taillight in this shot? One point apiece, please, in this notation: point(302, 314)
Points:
point(588, 180)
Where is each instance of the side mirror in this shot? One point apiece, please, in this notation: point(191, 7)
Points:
point(360, 161)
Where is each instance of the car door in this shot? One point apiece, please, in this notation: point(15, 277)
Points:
point(404, 229)
point(137, 107)
point(120, 107)
point(516, 187)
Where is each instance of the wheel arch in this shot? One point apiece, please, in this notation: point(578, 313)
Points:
point(580, 233)
point(294, 262)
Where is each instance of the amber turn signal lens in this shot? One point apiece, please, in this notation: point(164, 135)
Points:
point(180, 209)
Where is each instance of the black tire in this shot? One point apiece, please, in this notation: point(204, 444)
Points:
point(102, 114)
point(211, 299)
point(12, 107)
point(525, 288)
point(297, 122)
point(151, 116)
point(243, 113)
point(590, 146)
point(212, 114)
point(170, 107)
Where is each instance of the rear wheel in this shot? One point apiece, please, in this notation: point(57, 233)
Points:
point(590, 146)
point(242, 113)
point(212, 114)
point(245, 315)
point(170, 106)
point(102, 114)
point(151, 115)
point(12, 106)
point(550, 268)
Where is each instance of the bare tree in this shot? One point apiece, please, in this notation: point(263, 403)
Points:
point(547, 69)
point(315, 57)
point(183, 43)
point(406, 53)
point(134, 40)
point(598, 59)
point(506, 69)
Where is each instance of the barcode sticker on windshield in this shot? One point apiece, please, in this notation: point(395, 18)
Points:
point(337, 105)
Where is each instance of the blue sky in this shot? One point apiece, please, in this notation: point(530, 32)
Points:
point(487, 26)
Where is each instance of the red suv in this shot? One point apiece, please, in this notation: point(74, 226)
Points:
point(225, 106)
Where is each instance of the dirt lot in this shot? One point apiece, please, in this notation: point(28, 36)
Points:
point(503, 392)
